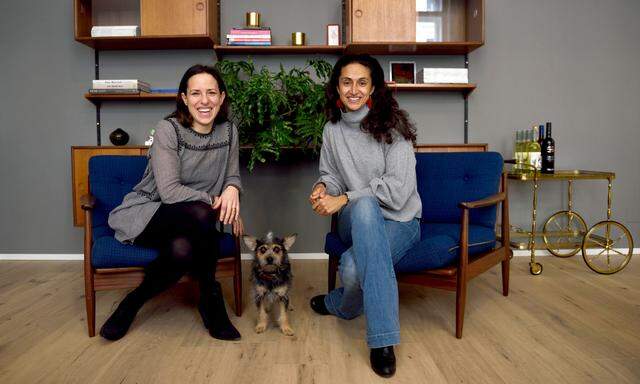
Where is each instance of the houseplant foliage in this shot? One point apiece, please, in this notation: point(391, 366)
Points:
point(274, 110)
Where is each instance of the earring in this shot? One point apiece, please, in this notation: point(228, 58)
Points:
point(369, 103)
point(339, 104)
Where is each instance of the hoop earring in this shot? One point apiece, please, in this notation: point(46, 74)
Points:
point(339, 104)
point(369, 103)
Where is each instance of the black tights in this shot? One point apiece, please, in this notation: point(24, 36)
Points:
point(187, 241)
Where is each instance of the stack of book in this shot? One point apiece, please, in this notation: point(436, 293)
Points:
point(127, 87)
point(249, 36)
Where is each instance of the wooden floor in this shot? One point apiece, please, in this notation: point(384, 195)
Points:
point(568, 325)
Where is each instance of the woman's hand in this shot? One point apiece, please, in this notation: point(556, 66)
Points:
point(229, 205)
point(318, 192)
point(238, 227)
point(328, 205)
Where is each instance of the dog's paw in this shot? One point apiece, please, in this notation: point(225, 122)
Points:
point(287, 330)
point(260, 328)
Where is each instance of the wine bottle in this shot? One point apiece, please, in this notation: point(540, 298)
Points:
point(548, 151)
point(516, 150)
point(540, 134)
point(533, 148)
point(526, 156)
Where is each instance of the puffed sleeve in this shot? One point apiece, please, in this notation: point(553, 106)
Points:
point(232, 175)
point(329, 174)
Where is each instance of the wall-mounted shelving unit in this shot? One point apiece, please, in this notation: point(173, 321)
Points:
point(376, 27)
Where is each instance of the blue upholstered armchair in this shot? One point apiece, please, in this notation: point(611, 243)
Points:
point(109, 264)
point(460, 192)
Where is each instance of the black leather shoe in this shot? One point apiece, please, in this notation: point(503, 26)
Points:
point(214, 315)
point(120, 320)
point(383, 361)
point(317, 304)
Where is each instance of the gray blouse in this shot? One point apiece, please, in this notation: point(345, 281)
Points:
point(184, 165)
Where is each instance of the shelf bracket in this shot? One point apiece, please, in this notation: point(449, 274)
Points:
point(466, 104)
point(98, 104)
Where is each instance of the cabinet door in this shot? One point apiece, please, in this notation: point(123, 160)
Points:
point(173, 17)
point(383, 20)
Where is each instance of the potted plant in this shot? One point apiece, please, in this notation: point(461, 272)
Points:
point(277, 110)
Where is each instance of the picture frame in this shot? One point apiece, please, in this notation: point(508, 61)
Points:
point(402, 72)
point(333, 34)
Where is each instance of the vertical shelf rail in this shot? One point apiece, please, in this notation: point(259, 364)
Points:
point(98, 103)
point(466, 103)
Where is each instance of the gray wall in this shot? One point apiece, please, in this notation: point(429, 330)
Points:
point(571, 62)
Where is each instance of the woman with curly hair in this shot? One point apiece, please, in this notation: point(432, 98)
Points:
point(367, 174)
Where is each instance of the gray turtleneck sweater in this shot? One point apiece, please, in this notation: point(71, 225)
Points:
point(352, 162)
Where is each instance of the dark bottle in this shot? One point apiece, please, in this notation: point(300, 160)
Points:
point(548, 151)
point(540, 134)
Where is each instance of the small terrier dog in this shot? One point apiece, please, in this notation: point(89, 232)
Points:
point(271, 277)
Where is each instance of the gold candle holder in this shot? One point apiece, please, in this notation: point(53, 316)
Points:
point(298, 38)
point(252, 19)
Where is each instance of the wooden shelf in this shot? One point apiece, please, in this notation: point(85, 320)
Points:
point(100, 97)
point(148, 42)
point(278, 49)
point(412, 48)
point(400, 48)
point(464, 88)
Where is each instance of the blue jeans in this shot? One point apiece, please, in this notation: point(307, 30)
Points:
point(366, 269)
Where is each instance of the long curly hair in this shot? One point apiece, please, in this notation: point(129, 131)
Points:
point(182, 113)
point(384, 116)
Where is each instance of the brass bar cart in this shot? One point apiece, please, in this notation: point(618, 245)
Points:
point(606, 247)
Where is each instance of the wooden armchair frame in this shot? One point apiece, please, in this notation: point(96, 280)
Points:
point(456, 277)
point(103, 279)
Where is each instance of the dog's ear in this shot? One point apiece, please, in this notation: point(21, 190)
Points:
point(250, 241)
point(289, 240)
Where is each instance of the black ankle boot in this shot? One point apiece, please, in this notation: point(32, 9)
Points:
point(214, 315)
point(383, 361)
point(318, 306)
point(120, 320)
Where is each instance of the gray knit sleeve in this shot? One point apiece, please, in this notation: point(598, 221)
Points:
point(165, 164)
point(329, 173)
point(394, 188)
point(232, 174)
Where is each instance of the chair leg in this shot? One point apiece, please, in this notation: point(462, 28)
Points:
point(505, 277)
point(90, 304)
point(237, 292)
point(333, 268)
point(461, 298)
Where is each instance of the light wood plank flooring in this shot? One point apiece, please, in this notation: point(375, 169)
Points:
point(568, 325)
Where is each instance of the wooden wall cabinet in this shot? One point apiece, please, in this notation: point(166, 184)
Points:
point(164, 24)
point(408, 27)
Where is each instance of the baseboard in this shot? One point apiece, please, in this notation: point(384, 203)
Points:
point(245, 256)
point(80, 256)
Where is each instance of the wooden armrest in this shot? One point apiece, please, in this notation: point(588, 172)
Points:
point(491, 200)
point(87, 202)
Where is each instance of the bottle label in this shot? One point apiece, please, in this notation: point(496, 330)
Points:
point(535, 159)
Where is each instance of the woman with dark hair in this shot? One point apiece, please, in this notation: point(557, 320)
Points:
point(192, 180)
point(367, 174)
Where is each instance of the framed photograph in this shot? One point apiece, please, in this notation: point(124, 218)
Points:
point(402, 72)
point(333, 34)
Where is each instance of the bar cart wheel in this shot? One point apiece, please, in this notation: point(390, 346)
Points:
point(570, 227)
point(535, 268)
point(607, 247)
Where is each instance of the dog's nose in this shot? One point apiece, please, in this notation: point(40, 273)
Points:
point(269, 260)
